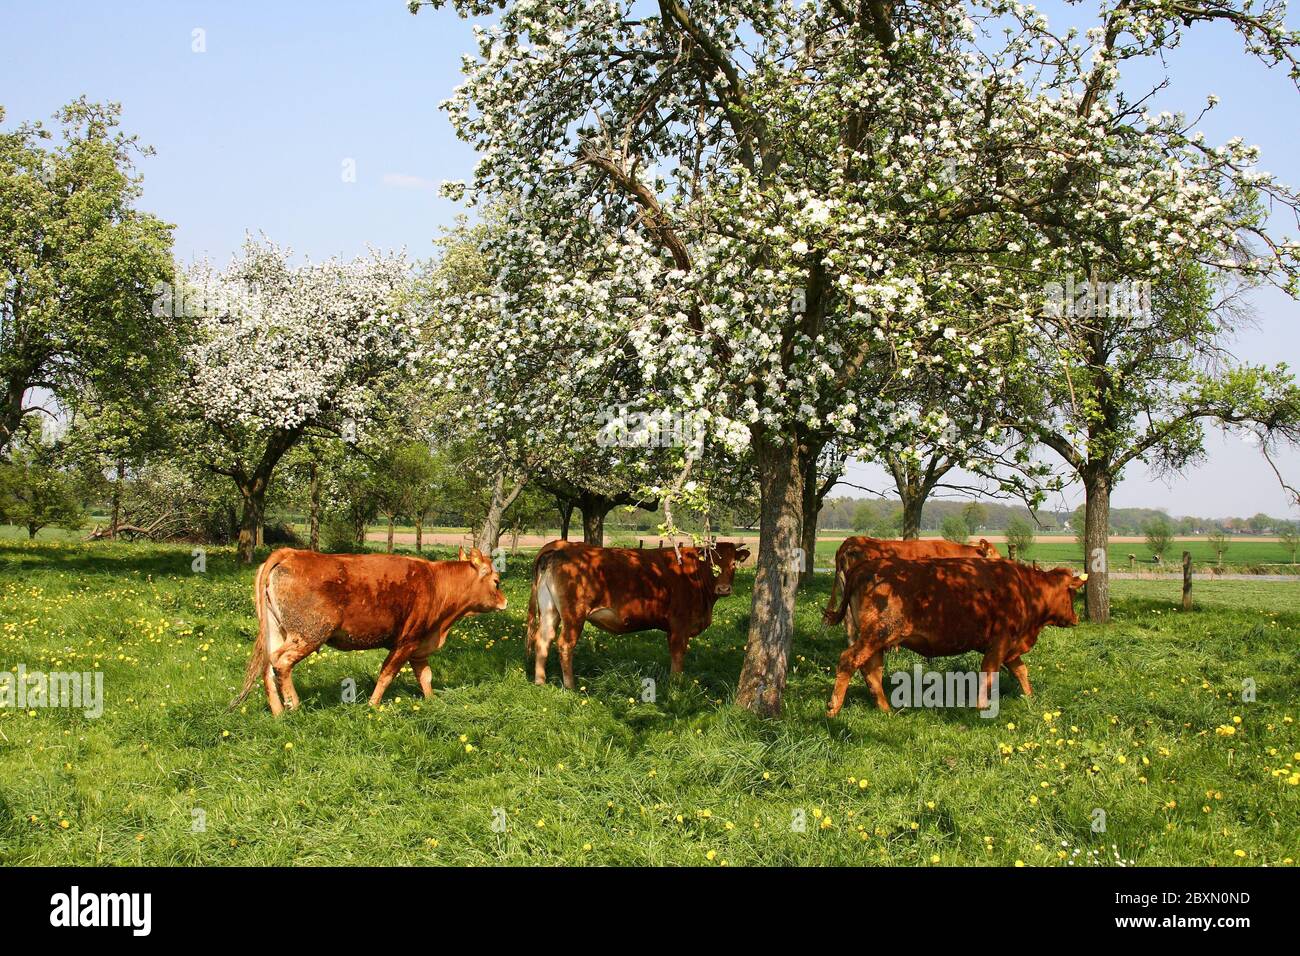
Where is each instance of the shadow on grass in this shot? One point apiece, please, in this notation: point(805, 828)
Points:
point(121, 559)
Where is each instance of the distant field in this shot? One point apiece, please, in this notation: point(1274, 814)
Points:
point(1244, 554)
point(1142, 719)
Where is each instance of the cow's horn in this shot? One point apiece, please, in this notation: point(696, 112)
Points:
point(1083, 577)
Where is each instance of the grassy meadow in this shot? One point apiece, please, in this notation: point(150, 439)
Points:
point(1142, 719)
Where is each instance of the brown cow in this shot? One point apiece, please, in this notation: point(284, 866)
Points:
point(358, 602)
point(622, 590)
point(943, 606)
point(854, 549)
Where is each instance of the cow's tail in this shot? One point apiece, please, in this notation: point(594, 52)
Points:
point(828, 615)
point(258, 660)
point(836, 616)
point(530, 632)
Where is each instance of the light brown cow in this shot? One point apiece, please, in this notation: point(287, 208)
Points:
point(622, 590)
point(943, 606)
point(353, 602)
point(860, 547)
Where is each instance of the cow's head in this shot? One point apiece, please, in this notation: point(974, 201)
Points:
point(1060, 600)
point(986, 549)
point(725, 557)
point(485, 591)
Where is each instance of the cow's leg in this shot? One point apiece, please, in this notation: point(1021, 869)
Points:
point(873, 672)
point(272, 691)
point(568, 641)
point(392, 665)
point(677, 644)
point(544, 627)
point(859, 656)
point(843, 676)
point(1021, 673)
point(988, 674)
point(423, 674)
point(540, 650)
point(291, 652)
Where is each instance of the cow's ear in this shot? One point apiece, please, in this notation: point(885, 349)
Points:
point(742, 555)
point(1077, 581)
point(460, 553)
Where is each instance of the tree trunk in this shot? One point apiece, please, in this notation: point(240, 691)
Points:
point(566, 517)
point(811, 506)
point(390, 534)
point(771, 619)
point(253, 490)
point(250, 521)
point(913, 505)
point(11, 410)
point(116, 521)
point(31, 531)
point(1096, 539)
point(313, 533)
point(593, 521)
point(419, 532)
point(489, 536)
point(912, 492)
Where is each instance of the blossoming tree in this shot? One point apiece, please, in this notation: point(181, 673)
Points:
point(781, 213)
point(285, 349)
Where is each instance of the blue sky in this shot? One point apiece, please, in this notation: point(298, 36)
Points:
point(254, 133)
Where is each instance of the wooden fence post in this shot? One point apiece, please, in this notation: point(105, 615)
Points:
point(1187, 580)
point(1011, 550)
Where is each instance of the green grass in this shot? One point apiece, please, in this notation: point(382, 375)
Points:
point(1130, 719)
